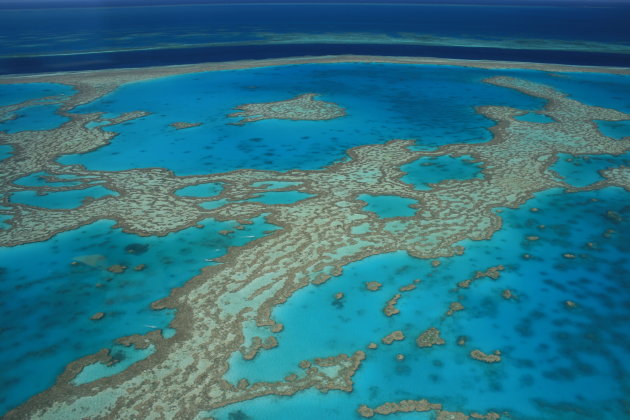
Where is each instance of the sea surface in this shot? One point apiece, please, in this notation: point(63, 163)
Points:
point(95, 36)
point(553, 357)
point(563, 253)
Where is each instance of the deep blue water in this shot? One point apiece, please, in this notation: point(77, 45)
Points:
point(92, 31)
point(96, 61)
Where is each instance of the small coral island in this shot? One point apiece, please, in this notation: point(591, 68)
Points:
point(301, 108)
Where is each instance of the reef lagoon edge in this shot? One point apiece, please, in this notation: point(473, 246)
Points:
point(166, 70)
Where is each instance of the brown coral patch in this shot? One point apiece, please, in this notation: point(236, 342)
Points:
point(390, 308)
point(429, 338)
point(117, 268)
point(393, 336)
point(98, 316)
point(487, 358)
point(373, 285)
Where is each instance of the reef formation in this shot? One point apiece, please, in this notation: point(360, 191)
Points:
point(301, 108)
point(185, 374)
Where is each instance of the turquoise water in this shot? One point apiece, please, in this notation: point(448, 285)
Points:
point(124, 357)
point(596, 89)
point(535, 118)
point(432, 104)
point(94, 124)
point(432, 170)
point(19, 92)
point(3, 219)
point(210, 205)
point(37, 180)
point(580, 171)
point(386, 206)
point(49, 291)
point(551, 355)
point(275, 185)
point(60, 199)
point(5, 151)
point(41, 117)
point(269, 197)
point(281, 197)
point(209, 189)
point(614, 129)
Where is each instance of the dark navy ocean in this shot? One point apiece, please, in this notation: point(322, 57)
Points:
point(38, 37)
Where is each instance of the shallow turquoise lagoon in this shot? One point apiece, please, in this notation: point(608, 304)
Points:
point(432, 170)
point(555, 359)
point(535, 118)
point(124, 357)
point(275, 185)
point(69, 199)
point(281, 197)
point(49, 290)
point(614, 129)
point(34, 118)
point(580, 171)
point(434, 105)
point(209, 189)
point(3, 219)
point(20, 92)
point(39, 179)
point(386, 206)
point(5, 151)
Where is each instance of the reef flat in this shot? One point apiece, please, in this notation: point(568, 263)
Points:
point(300, 108)
point(228, 308)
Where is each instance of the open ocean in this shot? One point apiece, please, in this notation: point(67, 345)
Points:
point(70, 38)
point(343, 229)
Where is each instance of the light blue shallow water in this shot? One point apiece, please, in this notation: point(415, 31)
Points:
point(5, 151)
point(38, 180)
point(552, 355)
point(3, 220)
point(61, 199)
point(123, 357)
point(275, 185)
point(41, 117)
point(535, 118)
point(202, 190)
point(425, 171)
point(281, 197)
point(20, 92)
point(386, 206)
point(48, 300)
point(614, 129)
point(580, 171)
point(432, 104)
